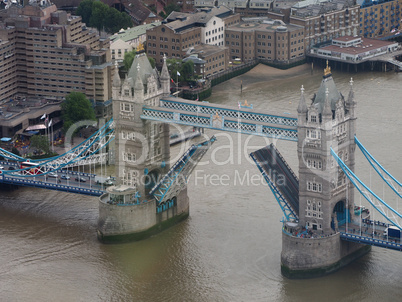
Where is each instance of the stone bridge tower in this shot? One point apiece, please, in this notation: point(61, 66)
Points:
point(127, 212)
point(326, 198)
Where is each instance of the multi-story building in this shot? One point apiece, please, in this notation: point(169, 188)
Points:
point(216, 58)
point(49, 53)
point(181, 31)
point(128, 39)
point(380, 19)
point(326, 20)
point(262, 38)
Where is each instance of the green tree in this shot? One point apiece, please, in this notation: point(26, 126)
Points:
point(169, 9)
point(152, 62)
point(15, 151)
point(187, 69)
point(128, 59)
point(99, 15)
point(41, 143)
point(76, 108)
point(174, 66)
point(85, 10)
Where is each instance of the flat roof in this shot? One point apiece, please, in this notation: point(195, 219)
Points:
point(365, 45)
point(254, 24)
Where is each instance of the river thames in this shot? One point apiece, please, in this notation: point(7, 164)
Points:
point(229, 248)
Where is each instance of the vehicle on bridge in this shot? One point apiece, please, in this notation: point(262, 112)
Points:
point(52, 174)
point(64, 176)
point(393, 232)
point(80, 179)
point(106, 181)
point(35, 169)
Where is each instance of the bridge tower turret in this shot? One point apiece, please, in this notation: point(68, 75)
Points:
point(165, 78)
point(326, 198)
point(128, 211)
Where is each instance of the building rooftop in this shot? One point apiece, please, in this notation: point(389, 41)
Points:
point(145, 69)
point(179, 21)
point(262, 23)
point(315, 8)
point(205, 50)
point(361, 45)
point(134, 32)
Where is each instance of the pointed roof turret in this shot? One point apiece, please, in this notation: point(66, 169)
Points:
point(116, 77)
point(351, 95)
point(327, 84)
point(327, 111)
point(302, 108)
point(138, 84)
point(146, 68)
point(165, 73)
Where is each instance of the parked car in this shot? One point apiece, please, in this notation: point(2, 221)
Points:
point(66, 177)
point(52, 174)
point(80, 179)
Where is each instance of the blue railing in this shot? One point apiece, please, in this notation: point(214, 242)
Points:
point(371, 241)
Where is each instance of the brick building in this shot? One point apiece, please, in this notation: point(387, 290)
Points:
point(326, 20)
point(49, 53)
point(216, 58)
point(262, 38)
point(181, 31)
point(380, 19)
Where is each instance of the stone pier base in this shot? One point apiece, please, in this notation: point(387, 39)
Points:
point(316, 257)
point(124, 223)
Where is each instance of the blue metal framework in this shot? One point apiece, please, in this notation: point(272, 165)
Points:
point(80, 154)
point(284, 205)
point(357, 183)
point(181, 105)
point(50, 185)
point(218, 122)
point(171, 183)
point(376, 165)
point(371, 241)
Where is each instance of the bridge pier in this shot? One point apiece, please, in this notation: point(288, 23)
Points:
point(316, 257)
point(130, 222)
point(311, 244)
point(131, 210)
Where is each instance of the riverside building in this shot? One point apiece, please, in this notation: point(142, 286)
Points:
point(49, 53)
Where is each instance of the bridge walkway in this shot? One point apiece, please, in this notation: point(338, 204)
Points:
point(221, 117)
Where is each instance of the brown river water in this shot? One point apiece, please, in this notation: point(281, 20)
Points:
point(229, 248)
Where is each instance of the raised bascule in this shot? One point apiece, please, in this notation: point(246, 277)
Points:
point(321, 198)
point(323, 229)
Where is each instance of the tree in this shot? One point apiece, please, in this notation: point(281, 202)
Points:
point(169, 9)
point(99, 15)
point(187, 69)
point(15, 151)
point(41, 143)
point(76, 108)
point(174, 65)
point(128, 59)
point(152, 62)
point(85, 10)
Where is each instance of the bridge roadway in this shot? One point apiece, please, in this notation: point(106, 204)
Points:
point(87, 185)
point(220, 117)
point(369, 233)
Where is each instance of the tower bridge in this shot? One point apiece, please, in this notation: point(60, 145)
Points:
point(321, 230)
